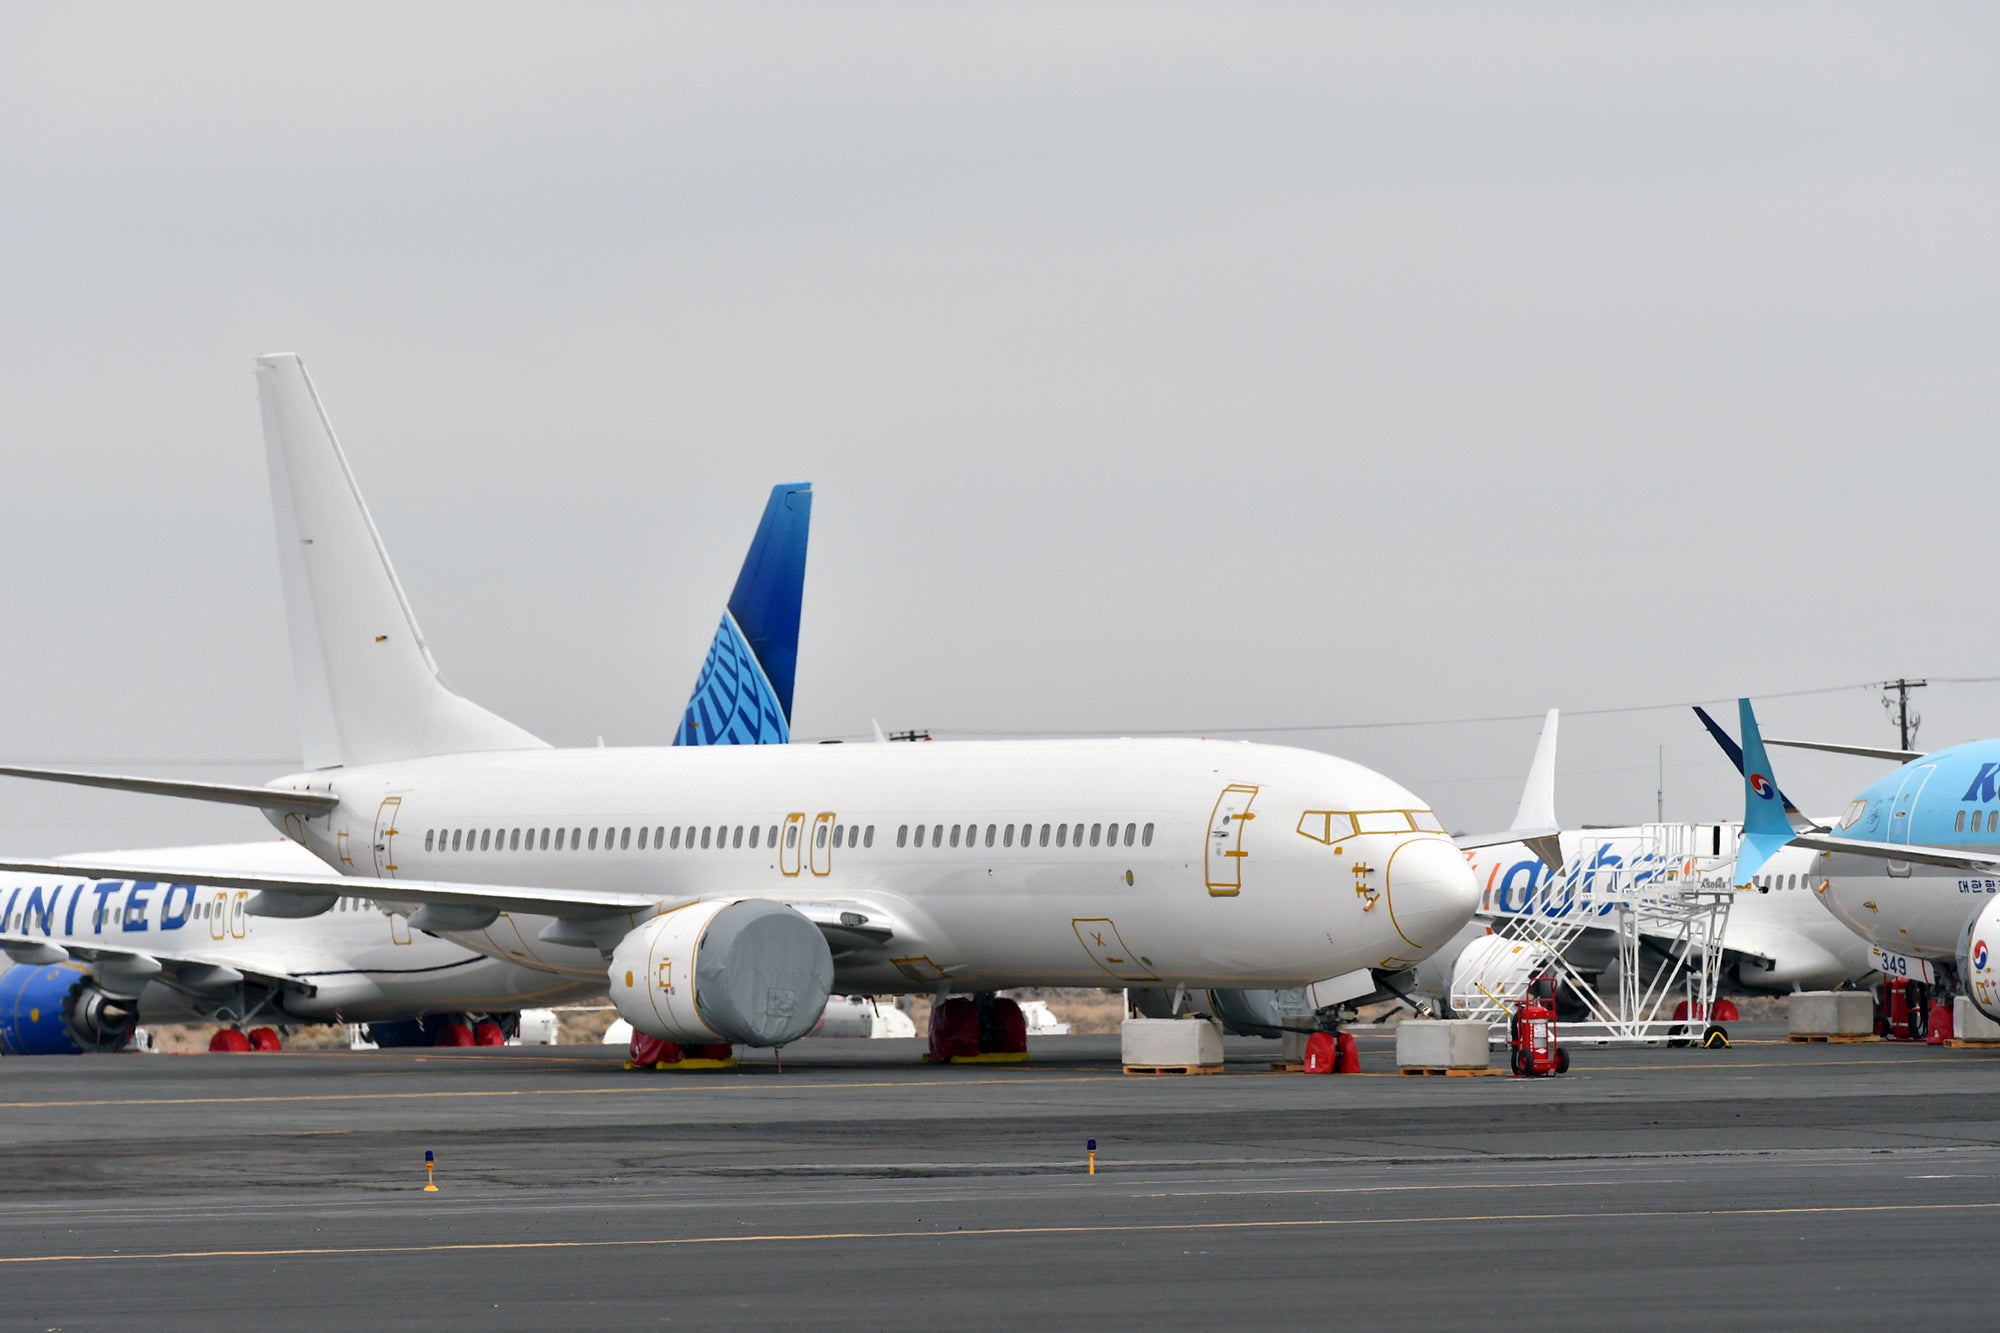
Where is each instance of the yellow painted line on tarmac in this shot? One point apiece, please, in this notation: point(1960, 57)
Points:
point(1107, 1229)
point(639, 1085)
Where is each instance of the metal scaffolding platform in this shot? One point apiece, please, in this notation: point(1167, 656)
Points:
point(1665, 911)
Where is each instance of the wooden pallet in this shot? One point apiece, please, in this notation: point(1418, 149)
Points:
point(1961, 1044)
point(1173, 1069)
point(1833, 1038)
point(1453, 1073)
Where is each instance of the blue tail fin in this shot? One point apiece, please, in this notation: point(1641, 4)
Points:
point(744, 693)
point(1735, 753)
point(1765, 828)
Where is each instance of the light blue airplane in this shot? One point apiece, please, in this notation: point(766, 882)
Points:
point(1912, 864)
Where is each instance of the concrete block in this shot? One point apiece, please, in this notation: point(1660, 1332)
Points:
point(1440, 1043)
point(1170, 1041)
point(1968, 1024)
point(1831, 1013)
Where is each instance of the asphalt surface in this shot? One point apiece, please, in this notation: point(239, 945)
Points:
point(1771, 1185)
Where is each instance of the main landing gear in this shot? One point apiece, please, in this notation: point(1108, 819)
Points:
point(984, 1029)
point(653, 1053)
point(237, 1040)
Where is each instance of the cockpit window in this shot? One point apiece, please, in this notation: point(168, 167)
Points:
point(1328, 826)
point(1383, 821)
point(1427, 821)
point(1854, 813)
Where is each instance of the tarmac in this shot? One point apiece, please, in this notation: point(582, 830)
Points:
point(1768, 1185)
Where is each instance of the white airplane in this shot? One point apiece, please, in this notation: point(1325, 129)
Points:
point(724, 892)
point(1776, 936)
point(90, 959)
point(87, 961)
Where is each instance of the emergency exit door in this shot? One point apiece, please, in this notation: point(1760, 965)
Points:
point(385, 836)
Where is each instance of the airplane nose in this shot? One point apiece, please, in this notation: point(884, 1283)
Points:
point(1431, 892)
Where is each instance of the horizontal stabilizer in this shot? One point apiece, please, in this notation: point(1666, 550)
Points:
point(263, 798)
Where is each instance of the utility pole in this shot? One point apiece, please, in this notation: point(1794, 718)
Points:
point(1896, 699)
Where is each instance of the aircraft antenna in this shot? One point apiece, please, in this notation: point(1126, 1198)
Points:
point(1896, 700)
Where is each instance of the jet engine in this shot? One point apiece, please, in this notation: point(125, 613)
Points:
point(748, 972)
point(1979, 960)
point(61, 1010)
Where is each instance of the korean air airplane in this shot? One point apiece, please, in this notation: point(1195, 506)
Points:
point(1913, 863)
point(723, 892)
point(88, 960)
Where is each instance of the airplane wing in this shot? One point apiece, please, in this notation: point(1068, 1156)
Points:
point(128, 970)
point(1535, 820)
point(1894, 756)
point(583, 916)
point(1950, 857)
point(264, 798)
point(504, 897)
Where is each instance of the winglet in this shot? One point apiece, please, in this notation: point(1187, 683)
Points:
point(1536, 816)
point(744, 693)
point(1765, 828)
point(1538, 798)
point(1534, 823)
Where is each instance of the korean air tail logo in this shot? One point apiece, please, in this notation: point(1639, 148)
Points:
point(1762, 786)
point(1979, 955)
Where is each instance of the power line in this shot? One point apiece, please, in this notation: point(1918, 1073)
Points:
point(1405, 723)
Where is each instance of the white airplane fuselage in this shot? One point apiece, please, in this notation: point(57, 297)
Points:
point(354, 964)
point(1786, 939)
point(1073, 863)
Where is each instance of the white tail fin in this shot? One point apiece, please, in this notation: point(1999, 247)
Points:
point(368, 690)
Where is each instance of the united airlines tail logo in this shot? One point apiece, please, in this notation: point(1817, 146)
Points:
point(1979, 955)
point(1762, 786)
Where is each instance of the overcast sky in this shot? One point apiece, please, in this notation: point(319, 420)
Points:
point(1157, 368)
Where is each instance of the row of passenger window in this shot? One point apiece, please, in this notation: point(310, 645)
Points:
point(1992, 821)
point(706, 837)
point(1010, 835)
point(660, 838)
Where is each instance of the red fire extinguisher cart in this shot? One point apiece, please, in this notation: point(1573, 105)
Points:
point(1531, 1033)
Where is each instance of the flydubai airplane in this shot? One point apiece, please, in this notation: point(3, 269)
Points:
point(1913, 863)
point(724, 891)
point(1776, 938)
point(86, 961)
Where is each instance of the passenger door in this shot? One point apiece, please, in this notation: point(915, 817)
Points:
point(1903, 813)
point(1224, 854)
point(788, 852)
